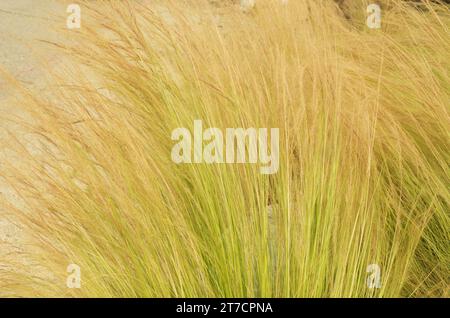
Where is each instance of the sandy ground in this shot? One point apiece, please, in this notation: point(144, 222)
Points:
point(23, 26)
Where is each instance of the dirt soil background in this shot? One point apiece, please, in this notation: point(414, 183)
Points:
point(26, 27)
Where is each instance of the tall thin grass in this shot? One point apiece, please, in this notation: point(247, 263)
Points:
point(364, 166)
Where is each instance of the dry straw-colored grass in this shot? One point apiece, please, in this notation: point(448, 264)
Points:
point(364, 166)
